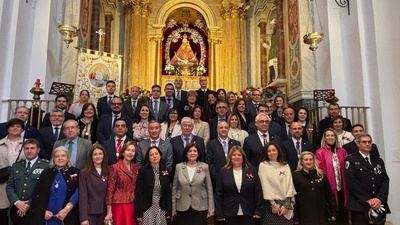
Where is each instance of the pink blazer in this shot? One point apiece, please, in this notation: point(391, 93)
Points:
point(325, 163)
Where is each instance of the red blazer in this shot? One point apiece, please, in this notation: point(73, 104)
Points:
point(325, 163)
point(121, 183)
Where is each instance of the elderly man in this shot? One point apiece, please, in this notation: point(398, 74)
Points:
point(61, 102)
point(78, 147)
point(51, 134)
point(295, 145)
point(22, 113)
point(179, 142)
point(155, 140)
point(218, 149)
point(367, 181)
point(254, 144)
point(22, 182)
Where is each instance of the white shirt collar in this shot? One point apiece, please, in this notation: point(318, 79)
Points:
point(32, 161)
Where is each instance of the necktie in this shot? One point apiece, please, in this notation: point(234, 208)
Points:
point(109, 100)
point(56, 133)
point(224, 144)
point(288, 130)
point(367, 160)
point(70, 147)
point(134, 105)
point(169, 103)
point(298, 148)
point(118, 146)
point(265, 140)
point(187, 141)
point(115, 118)
point(155, 108)
point(178, 94)
point(28, 166)
point(153, 143)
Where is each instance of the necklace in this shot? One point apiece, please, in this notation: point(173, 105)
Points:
point(56, 185)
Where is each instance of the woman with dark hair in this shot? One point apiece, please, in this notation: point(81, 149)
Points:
point(192, 193)
point(279, 104)
point(212, 100)
point(171, 127)
point(315, 203)
point(56, 193)
point(221, 95)
point(122, 182)
point(76, 108)
point(93, 187)
point(277, 186)
point(201, 128)
point(331, 159)
point(10, 152)
point(88, 122)
point(339, 125)
point(191, 102)
point(153, 190)
point(308, 128)
point(240, 108)
point(238, 195)
point(141, 123)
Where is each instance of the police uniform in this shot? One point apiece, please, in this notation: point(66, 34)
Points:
point(22, 183)
point(365, 180)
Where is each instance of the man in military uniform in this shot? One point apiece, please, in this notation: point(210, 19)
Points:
point(23, 177)
point(368, 183)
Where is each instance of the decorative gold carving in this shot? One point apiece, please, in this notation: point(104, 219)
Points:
point(138, 7)
point(233, 10)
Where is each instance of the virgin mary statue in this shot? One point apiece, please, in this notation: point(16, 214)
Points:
point(185, 54)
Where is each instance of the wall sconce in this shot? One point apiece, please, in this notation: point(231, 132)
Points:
point(69, 32)
point(313, 38)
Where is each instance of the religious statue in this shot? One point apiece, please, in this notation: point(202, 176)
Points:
point(185, 54)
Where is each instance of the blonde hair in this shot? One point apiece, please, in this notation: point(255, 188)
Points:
point(236, 148)
point(315, 164)
point(323, 142)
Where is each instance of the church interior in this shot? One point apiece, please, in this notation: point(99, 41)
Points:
point(304, 50)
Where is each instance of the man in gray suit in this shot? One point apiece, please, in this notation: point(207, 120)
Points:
point(78, 147)
point(158, 108)
point(155, 140)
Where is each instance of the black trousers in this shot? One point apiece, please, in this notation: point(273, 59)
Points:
point(192, 217)
point(16, 219)
point(239, 220)
point(4, 216)
point(343, 217)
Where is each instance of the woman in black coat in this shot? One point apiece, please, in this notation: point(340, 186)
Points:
point(315, 203)
point(55, 198)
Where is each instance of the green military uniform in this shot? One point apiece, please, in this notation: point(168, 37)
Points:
point(22, 181)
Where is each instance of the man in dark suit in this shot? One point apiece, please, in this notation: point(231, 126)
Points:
point(104, 103)
point(202, 92)
point(132, 105)
point(254, 144)
point(158, 108)
point(78, 147)
point(106, 122)
point(169, 98)
point(179, 142)
point(367, 181)
point(180, 94)
point(50, 134)
point(287, 119)
point(222, 110)
point(351, 147)
point(61, 102)
point(22, 113)
point(23, 177)
point(273, 127)
point(114, 145)
point(218, 149)
point(294, 146)
point(155, 140)
point(333, 111)
point(252, 105)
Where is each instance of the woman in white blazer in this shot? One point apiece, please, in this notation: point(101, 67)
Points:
point(192, 193)
point(201, 128)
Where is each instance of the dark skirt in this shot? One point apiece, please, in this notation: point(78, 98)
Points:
point(192, 217)
point(270, 218)
point(239, 220)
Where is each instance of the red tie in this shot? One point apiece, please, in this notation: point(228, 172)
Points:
point(118, 146)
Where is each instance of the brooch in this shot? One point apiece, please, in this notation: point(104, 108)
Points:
point(104, 178)
point(249, 175)
point(282, 173)
point(202, 169)
point(73, 177)
point(164, 172)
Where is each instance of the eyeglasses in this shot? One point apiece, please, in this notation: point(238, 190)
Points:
point(116, 103)
point(366, 142)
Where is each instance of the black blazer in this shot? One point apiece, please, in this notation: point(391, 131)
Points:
point(202, 98)
point(216, 156)
point(144, 190)
point(127, 108)
point(276, 118)
point(252, 109)
point(227, 197)
point(253, 147)
point(290, 153)
point(109, 146)
point(46, 120)
point(213, 124)
point(245, 123)
point(273, 128)
point(352, 148)
point(183, 97)
point(105, 131)
point(176, 103)
point(177, 147)
point(102, 106)
point(93, 130)
point(41, 195)
point(47, 141)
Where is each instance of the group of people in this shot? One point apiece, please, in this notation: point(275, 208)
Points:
point(185, 157)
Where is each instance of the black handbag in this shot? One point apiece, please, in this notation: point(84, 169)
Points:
point(4, 174)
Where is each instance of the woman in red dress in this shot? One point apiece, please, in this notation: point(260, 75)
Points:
point(120, 196)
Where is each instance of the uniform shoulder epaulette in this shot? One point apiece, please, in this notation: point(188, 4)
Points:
point(44, 160)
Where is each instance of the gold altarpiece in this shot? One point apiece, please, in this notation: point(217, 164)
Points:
point(145, 22)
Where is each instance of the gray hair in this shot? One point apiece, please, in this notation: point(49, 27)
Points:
point(187, 119)
point(262, 114)
point(56, 110)
point(58, 149)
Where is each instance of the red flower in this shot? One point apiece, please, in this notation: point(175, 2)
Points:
point(164, 172)
point(249, 175)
